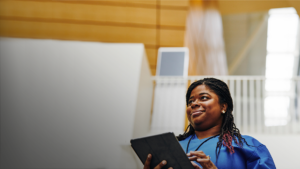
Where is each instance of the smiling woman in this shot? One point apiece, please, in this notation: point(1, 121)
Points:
point(207, 116)
point(209, 111)
point(212, 140)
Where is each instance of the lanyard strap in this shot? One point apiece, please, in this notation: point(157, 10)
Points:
point(187, 147)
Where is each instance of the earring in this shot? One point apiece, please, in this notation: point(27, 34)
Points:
point(223, 111)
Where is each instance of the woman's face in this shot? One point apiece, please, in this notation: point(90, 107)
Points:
point(204, 110)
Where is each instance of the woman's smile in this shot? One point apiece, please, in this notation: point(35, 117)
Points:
point(196, 113)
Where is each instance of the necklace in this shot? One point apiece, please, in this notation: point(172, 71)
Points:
point(187, 147)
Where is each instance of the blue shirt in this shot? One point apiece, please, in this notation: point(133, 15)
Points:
point(255, 156)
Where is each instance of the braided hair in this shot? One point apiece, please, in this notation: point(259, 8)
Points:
point(229, 131)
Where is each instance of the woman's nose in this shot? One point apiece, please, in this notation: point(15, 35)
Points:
point(195, 103)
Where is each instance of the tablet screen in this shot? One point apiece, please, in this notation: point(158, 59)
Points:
point(162, 147)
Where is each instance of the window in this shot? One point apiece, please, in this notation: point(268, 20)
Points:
point(282, 56)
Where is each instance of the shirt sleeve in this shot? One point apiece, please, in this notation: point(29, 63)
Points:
point(260, 159)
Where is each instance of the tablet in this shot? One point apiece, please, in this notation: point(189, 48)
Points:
point(162, 147)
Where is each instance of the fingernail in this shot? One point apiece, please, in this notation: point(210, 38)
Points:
point(164, 162)
point(198, 159)
point(188, 154)
point(149, 155)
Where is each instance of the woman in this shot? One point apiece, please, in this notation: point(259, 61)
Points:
point(212, 140)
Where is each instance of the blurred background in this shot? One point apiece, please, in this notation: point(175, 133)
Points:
point(80, 78)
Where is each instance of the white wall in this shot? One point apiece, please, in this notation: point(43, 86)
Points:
point(68, 104)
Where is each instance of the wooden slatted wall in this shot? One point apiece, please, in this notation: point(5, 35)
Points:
point(156, 23)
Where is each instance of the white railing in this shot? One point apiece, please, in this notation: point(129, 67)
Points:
point(260, 105)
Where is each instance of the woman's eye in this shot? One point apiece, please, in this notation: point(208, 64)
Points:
point(190, 102)
point(204, 97)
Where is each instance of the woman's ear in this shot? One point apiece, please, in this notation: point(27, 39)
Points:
point(224, 107)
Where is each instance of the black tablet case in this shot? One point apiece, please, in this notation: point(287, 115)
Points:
point(162, 147)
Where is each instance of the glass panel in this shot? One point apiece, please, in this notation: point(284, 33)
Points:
point(281, 44)
point(281, 49)
point(276, 115)
point(279, 65)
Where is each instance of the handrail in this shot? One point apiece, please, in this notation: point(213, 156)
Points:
point(231, 77)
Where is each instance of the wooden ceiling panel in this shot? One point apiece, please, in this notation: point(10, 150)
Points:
point(144, 3)
point(171, 17)
point(152, 56)
point(171, 38)
point(174, 3)
point(80, 12)
point(246, 6)
point(295, 4)
point(153, 70)
point(128, 21)
point(69, 31)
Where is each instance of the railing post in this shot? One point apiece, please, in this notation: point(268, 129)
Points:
point(232, 91)
point(252, 105)
point(259, 106)
point(238, 103)
point(245, 105)
point(298, 106)
point(263, 105)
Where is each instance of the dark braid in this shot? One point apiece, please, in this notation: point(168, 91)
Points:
point(228, 131)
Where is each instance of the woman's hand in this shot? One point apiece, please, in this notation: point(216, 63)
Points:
point(201, 158)
point(159, 166)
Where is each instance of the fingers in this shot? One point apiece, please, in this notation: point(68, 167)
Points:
point(201, 160)
point(194, 155)
point(200, 154)
point(206, 163)
point(194, 158)
point(161, 164)
point(147, 163)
